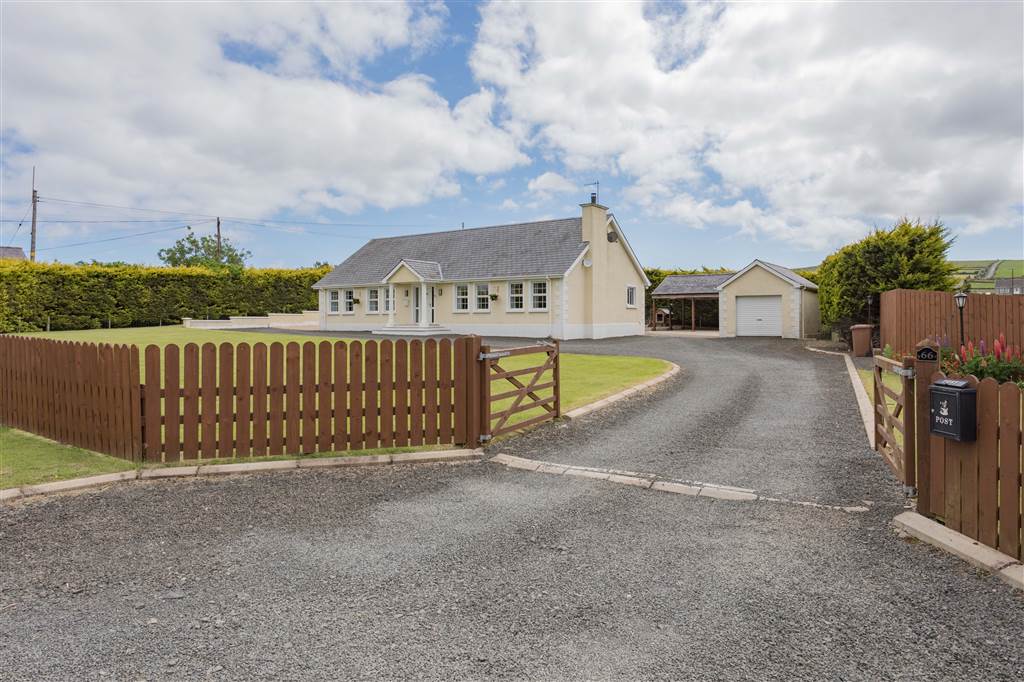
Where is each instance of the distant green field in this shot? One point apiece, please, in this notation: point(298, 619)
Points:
point(1010, 268)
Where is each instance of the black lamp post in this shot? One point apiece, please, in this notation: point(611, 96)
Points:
point(961, 300)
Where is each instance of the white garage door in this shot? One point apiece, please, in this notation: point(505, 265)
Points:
point(758, 316)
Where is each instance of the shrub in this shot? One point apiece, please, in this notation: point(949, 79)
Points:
point(87, 296)
point(910, 255)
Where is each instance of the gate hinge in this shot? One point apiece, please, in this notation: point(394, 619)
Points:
point(907, 372)
point(484, 437)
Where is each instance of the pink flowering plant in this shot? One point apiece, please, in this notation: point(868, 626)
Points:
point(1003, 362)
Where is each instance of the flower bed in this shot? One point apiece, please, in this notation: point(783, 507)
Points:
point(1003, 362)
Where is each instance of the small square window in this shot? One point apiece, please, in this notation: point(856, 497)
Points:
point(630, 297)
point(350, 300)
point(373, 300)
point(332, 297)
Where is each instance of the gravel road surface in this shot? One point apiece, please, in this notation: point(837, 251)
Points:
point(478, 571)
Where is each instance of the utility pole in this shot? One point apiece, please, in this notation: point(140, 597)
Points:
point(219, 251)
point(35, 202)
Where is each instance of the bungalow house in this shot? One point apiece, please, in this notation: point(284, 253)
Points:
point(567, 279)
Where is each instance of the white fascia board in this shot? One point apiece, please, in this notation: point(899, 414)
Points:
point(762, 264)
point(579, 259)
point(629, 250)
point(396, 269)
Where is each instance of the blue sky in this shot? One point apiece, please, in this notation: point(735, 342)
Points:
point(718, 133)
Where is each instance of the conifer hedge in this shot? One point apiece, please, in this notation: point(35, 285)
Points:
point(88, 296)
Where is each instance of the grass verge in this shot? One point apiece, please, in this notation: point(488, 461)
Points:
point(27, 459)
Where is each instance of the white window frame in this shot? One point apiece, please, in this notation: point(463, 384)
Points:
point(387, 299)
point(511, 297)
point(478, 297)
point(350, 302)
point(533, 296)
point(630, 293)
point(373, 301)
point(333, 302)
point(457, 296)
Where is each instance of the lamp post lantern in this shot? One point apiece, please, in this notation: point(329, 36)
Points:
point(961, 300)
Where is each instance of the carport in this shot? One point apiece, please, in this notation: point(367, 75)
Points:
point(684, 292)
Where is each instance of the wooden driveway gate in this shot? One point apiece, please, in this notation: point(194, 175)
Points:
point(540, 394)
point(894, 413)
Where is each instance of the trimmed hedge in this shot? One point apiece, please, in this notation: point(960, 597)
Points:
point(87, 296)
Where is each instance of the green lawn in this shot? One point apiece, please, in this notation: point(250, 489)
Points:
point(26, 459)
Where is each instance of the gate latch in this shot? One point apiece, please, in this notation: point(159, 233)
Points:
point(906, 372)
point(484, 437)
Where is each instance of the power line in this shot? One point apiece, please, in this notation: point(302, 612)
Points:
point(126, 236)
point(236, 218)
point(247, 223)
point(20, 223)
point(83, 220)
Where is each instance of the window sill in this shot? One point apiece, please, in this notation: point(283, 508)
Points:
point(334, 313)
point(538, 310)
point(460, 312)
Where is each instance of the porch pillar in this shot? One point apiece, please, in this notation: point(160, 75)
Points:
point(391, 308)
point(424, 311)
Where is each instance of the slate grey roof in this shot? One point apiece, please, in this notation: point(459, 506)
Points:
point(683, 285)
point(15, 252)
point(547, 247)
point(429, 270)
point(791, 276)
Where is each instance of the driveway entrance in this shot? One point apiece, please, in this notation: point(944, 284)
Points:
point(482, 571)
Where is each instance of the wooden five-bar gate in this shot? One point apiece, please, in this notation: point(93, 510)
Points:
point(242, 400)
point(973, 487)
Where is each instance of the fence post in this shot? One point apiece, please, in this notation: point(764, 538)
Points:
point(923, 370)
point(483, 368)
point(467, 392)
point(556, 376)
point(909, 423)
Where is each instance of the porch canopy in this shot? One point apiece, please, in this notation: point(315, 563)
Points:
point(691, 288)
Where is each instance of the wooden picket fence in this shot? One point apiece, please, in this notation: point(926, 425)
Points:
point(907, 316)
point(83, 394)
point(975, 488)
point(237, 401)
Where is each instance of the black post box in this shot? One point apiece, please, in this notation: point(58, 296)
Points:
point(953, 409)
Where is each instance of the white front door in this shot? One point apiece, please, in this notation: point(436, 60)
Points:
point(759, 316)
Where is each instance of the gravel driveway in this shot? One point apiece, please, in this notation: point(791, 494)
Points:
point(478, 571)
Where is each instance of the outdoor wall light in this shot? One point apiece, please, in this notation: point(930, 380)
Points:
point(961, 300)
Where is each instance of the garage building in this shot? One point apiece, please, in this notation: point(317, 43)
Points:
point(764, 299)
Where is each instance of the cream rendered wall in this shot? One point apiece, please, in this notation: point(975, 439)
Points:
point(759, 282)
point(597, 294)
point(812, 313)
point(499, 320)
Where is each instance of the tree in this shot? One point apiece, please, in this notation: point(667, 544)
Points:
point(909, 255)
point(203, 252)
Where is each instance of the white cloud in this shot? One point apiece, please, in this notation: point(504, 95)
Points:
point(509, 205)
point(802, 122)
point(143, 105)
point(549, 183)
